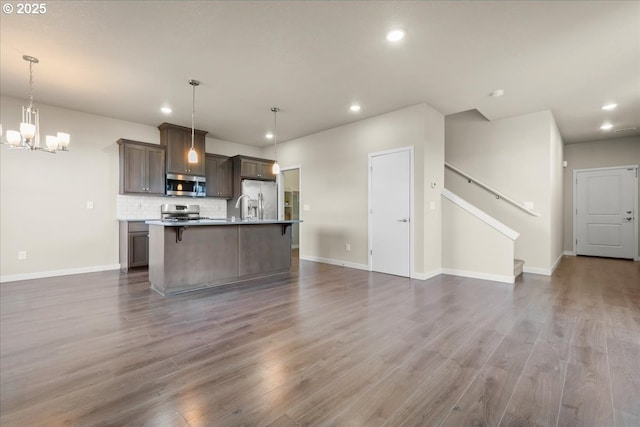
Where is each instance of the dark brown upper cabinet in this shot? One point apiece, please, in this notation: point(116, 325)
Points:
point(254, 168)
point(142, 167)
point(219, 173)
point(177, 139)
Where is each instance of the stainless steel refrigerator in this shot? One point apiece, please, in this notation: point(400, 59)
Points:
point(263, 197)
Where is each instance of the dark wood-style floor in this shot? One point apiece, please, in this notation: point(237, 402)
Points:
point(330, 347)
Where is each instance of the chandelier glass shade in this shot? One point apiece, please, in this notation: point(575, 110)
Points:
point(28, 137)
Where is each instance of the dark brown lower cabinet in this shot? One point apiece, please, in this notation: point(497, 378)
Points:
point(134, 245)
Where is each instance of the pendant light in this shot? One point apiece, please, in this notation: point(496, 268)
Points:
point(276, 166)
point(192, 157)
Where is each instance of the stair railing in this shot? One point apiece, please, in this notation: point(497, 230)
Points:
point(498, 194)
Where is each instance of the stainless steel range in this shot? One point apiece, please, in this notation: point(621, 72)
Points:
point(171, 212)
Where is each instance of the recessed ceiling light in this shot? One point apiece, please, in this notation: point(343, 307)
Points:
point(166, 110)
point(609, 107)
point(497, 93)
point(355, 108)
point(396, 35)
point(606, 126)
point(269, 135)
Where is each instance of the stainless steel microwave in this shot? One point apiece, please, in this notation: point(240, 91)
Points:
point(185, 185)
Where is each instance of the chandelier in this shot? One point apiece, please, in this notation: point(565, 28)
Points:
point(29, 135)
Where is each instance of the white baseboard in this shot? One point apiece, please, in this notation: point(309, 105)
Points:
point(555, 264)
point(414, 275)
point(426, 276)
point(418, 276)
point(478, 275)
point(537, 270)
point(335, 262)
point(571, 253)
point(55, 273)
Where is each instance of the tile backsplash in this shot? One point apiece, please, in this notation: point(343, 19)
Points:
point(148, 207)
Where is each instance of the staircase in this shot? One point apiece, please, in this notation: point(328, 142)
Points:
point(502, 264)
point(467, 232)
point(518, 265)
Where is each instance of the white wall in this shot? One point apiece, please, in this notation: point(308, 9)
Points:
point(335, 183)
point(556, 196)
point(514, 156)
point(43, 196)
point(595, 154)
point(227, 148)
point(434, 152)
point(465, 243)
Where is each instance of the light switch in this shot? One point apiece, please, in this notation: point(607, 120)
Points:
point(306, 208)
point(89, 205)
point(432, 206)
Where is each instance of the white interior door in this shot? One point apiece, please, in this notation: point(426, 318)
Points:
point(390, 212)
point(605, 212)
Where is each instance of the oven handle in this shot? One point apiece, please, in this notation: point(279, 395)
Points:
point(185, 193)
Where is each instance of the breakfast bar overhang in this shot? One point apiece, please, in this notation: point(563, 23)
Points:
point(190, 255)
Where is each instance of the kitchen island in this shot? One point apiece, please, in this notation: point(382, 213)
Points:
point(190, 255)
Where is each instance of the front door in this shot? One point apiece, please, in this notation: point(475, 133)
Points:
point(605, 212)
point(390, 212)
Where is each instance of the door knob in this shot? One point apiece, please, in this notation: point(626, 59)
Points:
point(403, 220)
point(629, 218)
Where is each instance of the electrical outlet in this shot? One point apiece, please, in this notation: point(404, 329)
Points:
point(22, 255)
point(348, 247)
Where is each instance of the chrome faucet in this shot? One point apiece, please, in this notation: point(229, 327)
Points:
point(240, 199)
point(251, 207)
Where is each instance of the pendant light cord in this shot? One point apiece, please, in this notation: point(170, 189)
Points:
point(193, 115)
point(275, 132)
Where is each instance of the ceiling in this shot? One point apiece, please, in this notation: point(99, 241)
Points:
point(312, 59)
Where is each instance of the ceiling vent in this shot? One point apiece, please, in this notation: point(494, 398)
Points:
point(625, 130)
